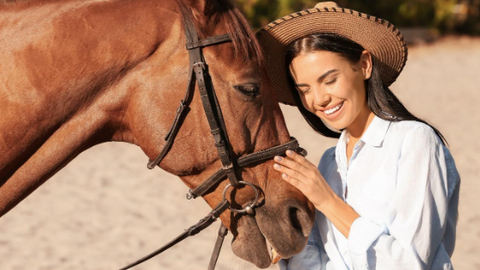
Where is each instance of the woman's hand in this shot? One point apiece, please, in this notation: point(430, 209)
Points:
point(303, 175)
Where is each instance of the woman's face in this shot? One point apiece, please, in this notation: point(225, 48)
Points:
point(333, 88)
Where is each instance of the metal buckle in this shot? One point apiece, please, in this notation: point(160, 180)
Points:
point(249, 209)
point(199, 64)
point(190, 195)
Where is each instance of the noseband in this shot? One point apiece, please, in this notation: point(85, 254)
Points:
point(199, 74)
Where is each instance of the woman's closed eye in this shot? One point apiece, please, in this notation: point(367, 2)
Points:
point(303, 89)
point(330, 81)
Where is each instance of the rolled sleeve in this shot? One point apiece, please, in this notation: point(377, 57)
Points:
point(363, 233)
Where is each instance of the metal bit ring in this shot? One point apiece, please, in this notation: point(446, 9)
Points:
point(249, 208)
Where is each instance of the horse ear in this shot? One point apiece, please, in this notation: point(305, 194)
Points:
point(201, 8)
point(198, 7)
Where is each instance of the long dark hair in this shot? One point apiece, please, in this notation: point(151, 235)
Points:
point(380, 99)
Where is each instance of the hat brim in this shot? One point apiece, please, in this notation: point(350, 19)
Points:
point(379, 37)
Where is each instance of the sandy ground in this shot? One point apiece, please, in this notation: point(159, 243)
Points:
point(106, 209)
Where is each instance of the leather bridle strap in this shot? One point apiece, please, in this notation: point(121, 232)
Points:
point(193, 230)
point(213, 113)
point(209, 41)
point(222, 232)
point(177, 122)
point(199, 70)
point(245, 161)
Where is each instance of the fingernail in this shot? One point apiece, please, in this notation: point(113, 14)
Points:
point(284, 176)
point(289, 152)
point(278, 158)
point(276, 166)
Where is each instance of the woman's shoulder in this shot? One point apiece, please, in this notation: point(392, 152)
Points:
point(329, 154)
point(408, 130)
point(328, 159)
point(411, 125)
point(328, 163)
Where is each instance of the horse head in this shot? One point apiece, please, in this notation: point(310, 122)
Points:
point(253, 123)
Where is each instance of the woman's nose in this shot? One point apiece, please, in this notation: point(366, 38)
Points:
point(321, 98)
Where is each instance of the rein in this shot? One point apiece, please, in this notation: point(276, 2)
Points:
point(199, 75)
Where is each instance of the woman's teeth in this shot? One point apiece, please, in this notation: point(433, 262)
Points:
point(334, 109)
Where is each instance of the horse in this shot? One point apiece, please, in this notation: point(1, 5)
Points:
point(77, 73)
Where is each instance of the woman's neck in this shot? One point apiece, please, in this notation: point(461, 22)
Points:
point(360, 125)
point(357, 129)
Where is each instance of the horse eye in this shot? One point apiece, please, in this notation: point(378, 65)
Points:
point(249, 89)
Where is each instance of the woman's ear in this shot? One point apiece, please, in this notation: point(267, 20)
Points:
point(366, 64)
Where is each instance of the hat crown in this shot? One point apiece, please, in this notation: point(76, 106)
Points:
point(328, 4)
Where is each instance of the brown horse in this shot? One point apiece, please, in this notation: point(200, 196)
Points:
point(77, 73)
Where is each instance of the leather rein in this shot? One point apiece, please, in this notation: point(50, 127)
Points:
point(199, 75)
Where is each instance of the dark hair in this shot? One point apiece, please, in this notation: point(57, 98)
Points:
point(380, 99)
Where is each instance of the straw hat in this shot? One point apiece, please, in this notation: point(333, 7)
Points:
point(379, 37)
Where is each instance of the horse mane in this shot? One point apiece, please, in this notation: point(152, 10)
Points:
point(243, 38)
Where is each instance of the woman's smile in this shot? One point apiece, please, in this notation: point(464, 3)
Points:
point(332, 112)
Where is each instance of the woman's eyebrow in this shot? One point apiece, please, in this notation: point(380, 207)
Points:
point(319, 79)
point(326, 74)
point(301, 84)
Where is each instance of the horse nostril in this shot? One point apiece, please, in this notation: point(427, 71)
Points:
point(292, 213)
point(299, 220)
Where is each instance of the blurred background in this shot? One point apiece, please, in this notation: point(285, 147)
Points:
point(105, 209)
point(440, 16)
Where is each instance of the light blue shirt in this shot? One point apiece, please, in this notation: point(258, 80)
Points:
point(403, 183)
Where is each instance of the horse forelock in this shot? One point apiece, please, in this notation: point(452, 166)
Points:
point(224, 11)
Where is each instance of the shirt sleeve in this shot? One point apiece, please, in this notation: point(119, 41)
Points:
point(417, 214)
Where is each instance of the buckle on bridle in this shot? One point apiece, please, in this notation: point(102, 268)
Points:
point(199, 64)
point(249, 209)
point(190, 195)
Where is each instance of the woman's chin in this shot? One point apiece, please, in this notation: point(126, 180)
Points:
point(337, 126)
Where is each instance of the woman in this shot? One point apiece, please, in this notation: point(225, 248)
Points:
point(387, 194)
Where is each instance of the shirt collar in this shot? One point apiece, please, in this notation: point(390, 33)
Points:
point(341, 153)
point(374, 136)
point(376, 132)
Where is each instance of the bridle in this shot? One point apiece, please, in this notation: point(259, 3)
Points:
point(230, 165)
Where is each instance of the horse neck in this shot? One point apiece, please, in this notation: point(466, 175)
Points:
point(66, 71)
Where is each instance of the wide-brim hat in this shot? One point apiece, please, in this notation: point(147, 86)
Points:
point(378, 36)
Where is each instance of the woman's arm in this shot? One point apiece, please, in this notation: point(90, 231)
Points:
point(416, 217)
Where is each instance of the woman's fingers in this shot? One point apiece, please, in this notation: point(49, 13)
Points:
point(302, 174)
point(297, 164)
point(292, 171)
point(289, 175)
point(282, 166)
point(288, 162)
point(300, 159)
